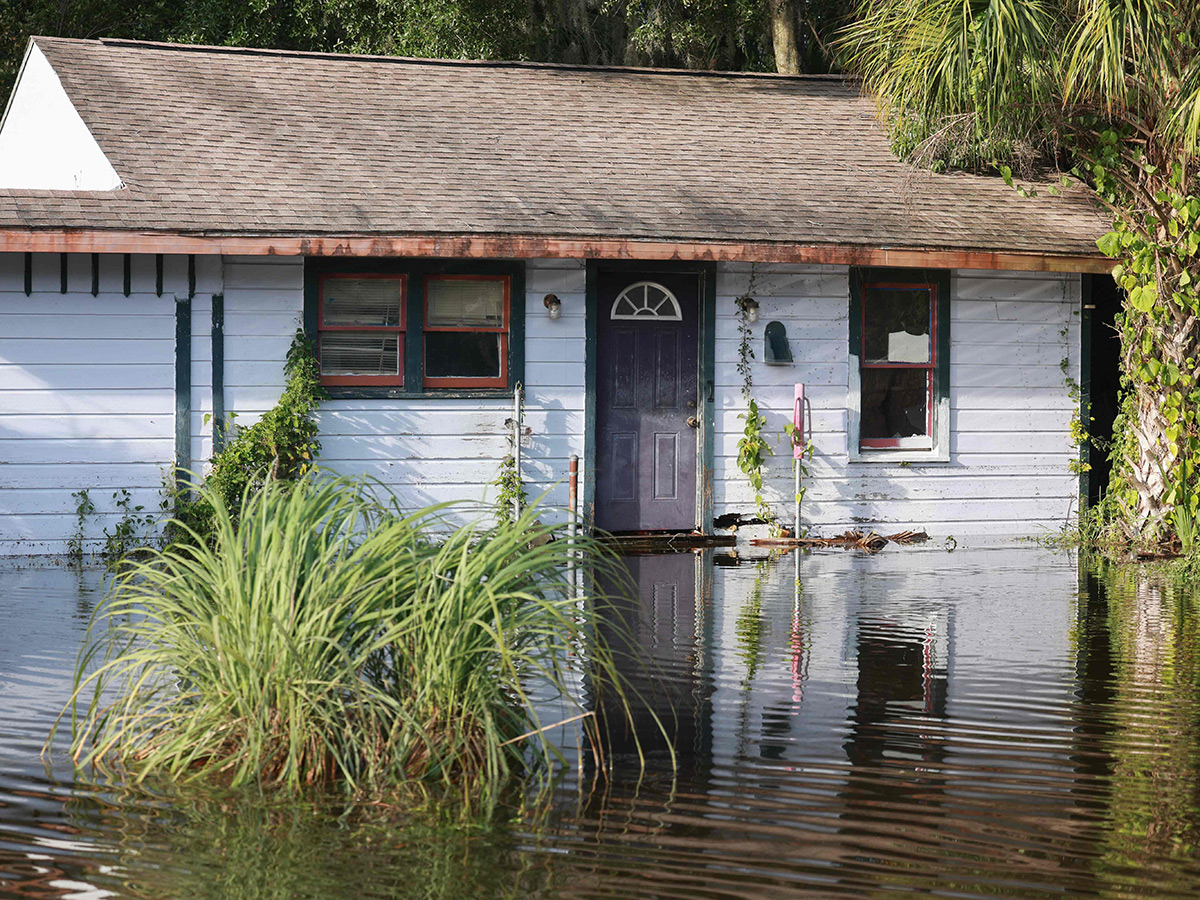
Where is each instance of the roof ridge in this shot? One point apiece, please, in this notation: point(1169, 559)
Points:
point(428, 61)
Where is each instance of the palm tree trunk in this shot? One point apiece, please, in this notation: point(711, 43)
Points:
point(1153, 458)
point(783, 36)
point(1152, 462)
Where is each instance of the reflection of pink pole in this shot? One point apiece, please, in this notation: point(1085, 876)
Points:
point(796, 645)
point(798, 441)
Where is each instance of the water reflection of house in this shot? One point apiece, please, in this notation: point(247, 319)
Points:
point(658, 632)
point(903, 663)
point(896, 709)
point(43, 858)
point(897, 743)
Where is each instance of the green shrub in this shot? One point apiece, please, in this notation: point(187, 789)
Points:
point(321, 638)
point(281, 446)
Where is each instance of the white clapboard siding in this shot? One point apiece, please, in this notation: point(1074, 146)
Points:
point(84, 425)
point(425, 450)
point(1010, 447)
point(87, 391)
point(72, 476)
point(264, 305)
point(201, 395)
point(989, 483)
point(87, 398)
point(812, 302)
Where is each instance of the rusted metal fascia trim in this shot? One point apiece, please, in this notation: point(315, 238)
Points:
point(525, 247)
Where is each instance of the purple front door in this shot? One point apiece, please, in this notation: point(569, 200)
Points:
point(647, 409)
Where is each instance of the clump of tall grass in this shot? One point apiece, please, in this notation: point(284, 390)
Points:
point(319, 638)
point(1094, 527)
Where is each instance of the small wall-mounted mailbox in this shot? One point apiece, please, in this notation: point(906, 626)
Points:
point(777, 352)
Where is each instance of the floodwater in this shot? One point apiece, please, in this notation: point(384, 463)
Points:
point(991, 723)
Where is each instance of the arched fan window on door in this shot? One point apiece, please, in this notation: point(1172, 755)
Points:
point(647, 300)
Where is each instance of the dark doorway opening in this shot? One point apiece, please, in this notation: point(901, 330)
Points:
point(1102, 293)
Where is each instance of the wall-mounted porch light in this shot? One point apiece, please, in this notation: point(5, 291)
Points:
point(553, 305)
point(749, 306)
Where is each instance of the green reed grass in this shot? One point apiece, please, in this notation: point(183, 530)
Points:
point(321, 638)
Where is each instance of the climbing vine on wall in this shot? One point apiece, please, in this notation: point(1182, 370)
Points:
point(1079, 429)
point(84, 507)
point(753, 448)
point(281, 446)
point(512, 498)
point(511, 493)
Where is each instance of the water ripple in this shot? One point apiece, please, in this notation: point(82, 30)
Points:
point(971, 725)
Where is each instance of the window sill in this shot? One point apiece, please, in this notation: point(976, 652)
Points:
point(891, 456)
point(342, 392)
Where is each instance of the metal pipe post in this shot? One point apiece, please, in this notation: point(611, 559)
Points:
point(572, 504)
point(798, 463)
point(517, 449)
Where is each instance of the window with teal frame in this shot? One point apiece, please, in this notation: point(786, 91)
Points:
point(416, 327)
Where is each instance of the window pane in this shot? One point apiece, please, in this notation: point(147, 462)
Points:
point(362, 301)
point(896, 325)
point(464, 302)
point(462, 354)
point(360, 353)
point(894, 403)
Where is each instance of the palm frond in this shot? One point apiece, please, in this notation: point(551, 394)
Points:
point(1117, 51)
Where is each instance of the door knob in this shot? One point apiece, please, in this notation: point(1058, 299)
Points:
point(693, 422)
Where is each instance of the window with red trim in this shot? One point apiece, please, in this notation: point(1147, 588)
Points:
point(466, 331)
point(360, 329)
point(898, 362)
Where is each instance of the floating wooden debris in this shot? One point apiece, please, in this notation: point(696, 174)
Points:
point(667, 543)
point(908, 537)
point(871, 542)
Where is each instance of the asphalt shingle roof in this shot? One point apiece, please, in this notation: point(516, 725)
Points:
point(240, 142)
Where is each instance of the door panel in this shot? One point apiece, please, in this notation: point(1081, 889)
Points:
point(646, 390)
point(624, 457)
point(666, 466)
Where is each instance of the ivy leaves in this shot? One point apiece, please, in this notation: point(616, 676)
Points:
point(1159, 270)
point(753, 451)
point(753, 448)
point(281, 446)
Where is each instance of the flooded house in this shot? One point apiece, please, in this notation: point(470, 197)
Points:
point(641, 252)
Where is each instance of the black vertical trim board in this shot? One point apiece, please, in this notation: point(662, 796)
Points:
point(28, 274)
point(62, 273)
point(183, 391)
point(942, 279)
point(414, 320)
point(1085, 388)
point(158, 274)
point(516, 326)
point(127, 274)
point(311, 286)
point(191, 275)
point(218, 372)
point(855, 325)
point(591, 305)
point(95, 274)
point(706, 375)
